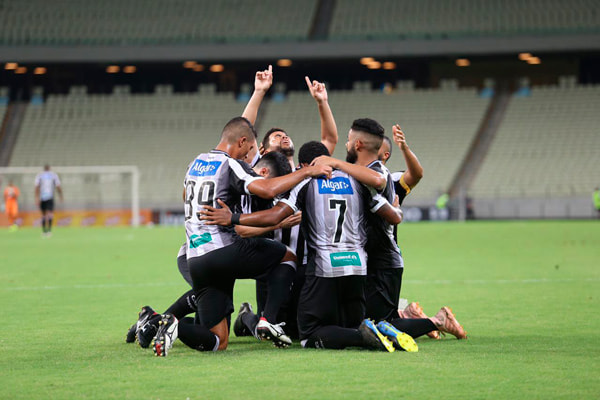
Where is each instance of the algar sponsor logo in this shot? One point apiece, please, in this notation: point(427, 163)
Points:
point(339, 185)
point(204, 168)
point(197, 241)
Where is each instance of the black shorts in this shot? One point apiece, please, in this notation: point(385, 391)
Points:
point(214, 274)
point(330, 301)
point(47, 205)
point(184, 269)
point(383, 293)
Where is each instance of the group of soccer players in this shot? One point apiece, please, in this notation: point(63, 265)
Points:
point(319, 241)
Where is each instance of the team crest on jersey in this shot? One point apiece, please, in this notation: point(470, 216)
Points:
point(197, 241)
point(204, 168)
point(339, 185)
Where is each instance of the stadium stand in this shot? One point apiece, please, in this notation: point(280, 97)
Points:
point(547, 146)
point(392, 19)
point(160, 133)
point(41, 22)
point(439, 125)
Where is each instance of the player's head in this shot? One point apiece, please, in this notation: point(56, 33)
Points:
point(276, 139)
point(47, 167)
point(240, 136)
point(272, 165)
point(311, 150)
point(365, 135)
point(385, 151)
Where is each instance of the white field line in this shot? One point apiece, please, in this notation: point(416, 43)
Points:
point(250, 281)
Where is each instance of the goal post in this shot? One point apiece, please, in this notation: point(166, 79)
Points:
point(101, 187)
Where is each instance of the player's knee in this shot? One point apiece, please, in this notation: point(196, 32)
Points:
point(289, 256)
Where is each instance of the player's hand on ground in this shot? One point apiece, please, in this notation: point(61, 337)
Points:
point(325, 160)
point(263, 79)
point(399, 138)
point(291, 221)
point(317, 90)
point(319, 171)
point(216, 216)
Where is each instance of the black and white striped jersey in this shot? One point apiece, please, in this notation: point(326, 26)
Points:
point(333, 223)
point(381, 245)
point(211, 176)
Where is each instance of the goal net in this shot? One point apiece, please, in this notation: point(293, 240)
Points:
point(85, 188)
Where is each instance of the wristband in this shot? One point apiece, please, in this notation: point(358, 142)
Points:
point(235, 218)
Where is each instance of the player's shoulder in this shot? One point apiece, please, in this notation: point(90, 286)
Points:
point(377, 166)
point(397, 175)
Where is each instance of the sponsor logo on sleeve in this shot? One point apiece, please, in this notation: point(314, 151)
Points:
point(197, 241)
point(204, 168)
point(344, 259)
point(339, 185)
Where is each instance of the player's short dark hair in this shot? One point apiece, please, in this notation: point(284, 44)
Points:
point(238, 127)
point(374, 133)
point(368, 125)
point(265, 142)
point(277, 163)
point(311, 150)
point(389, 142)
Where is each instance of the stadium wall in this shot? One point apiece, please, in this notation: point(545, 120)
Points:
point(305, 50)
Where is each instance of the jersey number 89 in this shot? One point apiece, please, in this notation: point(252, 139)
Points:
point(204, 196)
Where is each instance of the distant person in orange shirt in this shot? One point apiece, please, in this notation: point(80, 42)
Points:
point(11, 196)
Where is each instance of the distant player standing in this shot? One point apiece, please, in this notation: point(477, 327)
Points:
point(46, 183)
point(11, 196)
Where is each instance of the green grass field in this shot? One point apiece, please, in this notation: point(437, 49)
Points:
point(527, 293)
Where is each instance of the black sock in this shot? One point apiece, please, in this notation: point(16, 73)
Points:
point(414, 327)
point(183, 306)
point(49, 224)
point(44, 224)
point(279, 285)
point(335, 337)
point(250, 321)
point(195, 336)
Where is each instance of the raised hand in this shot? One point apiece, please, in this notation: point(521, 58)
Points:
point(399, 138)
point(216, 216)
point(317, 90)
point(263, 79)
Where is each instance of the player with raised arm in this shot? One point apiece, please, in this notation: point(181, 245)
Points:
point(217, 256)
point(404, 182)
point(46, 183)
point(385, 264)
point(276, 139)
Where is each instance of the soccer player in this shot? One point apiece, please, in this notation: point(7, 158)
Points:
point(385, 264)
point(46, 183)
point(331, 309)
point(404, 182)
point(11, 204)
point(145, 329)
point(216, 256)
point(276, 139)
